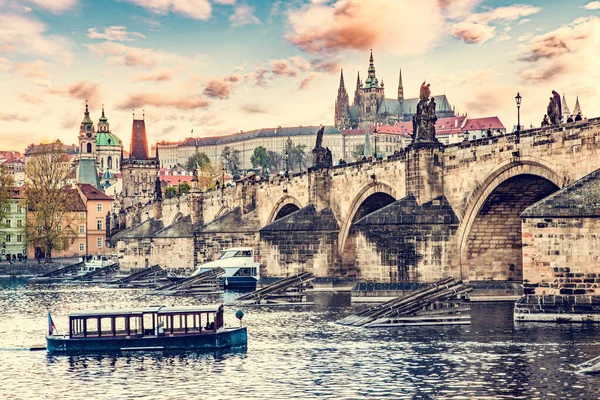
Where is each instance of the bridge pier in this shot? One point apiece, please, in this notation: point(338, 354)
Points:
point(425, 171)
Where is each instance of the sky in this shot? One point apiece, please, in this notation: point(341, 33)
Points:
point(215, 67)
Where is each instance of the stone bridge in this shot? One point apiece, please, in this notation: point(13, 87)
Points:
point(430, 212)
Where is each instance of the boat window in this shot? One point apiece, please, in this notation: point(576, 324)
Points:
point(106, 326)
point(135, 325)
point(149, 324)
point(244, 272)
point(228, 254)
point(91, 326)
point(244, 253)
point(120, 326)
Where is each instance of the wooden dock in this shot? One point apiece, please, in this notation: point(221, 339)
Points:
point(150, 277)
point(441, 303)
point(286, 292)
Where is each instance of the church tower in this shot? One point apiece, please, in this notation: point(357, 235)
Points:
point(371, 95)
point(342, 106)
point(357, 91)
point(86, 163)
point(400, 88)
point(139, 171)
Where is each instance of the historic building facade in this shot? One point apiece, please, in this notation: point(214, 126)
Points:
point(370, 107)
point(139, 172)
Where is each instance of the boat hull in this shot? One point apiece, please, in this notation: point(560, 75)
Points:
point(227, 338)
point(239, 282)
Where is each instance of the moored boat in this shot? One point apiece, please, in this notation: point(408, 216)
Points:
point(151, 328)
point(242, 269)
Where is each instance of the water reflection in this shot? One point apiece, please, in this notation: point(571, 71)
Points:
point(298, 353)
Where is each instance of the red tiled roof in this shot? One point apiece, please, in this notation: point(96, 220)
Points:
point(91, 193)
point(175, 180)
point(483, 124)
point(13, 160)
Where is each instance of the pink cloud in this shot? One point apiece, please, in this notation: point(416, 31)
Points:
point(28, 98)
point(11, 117)
point(473, 33)
point(82, 90)
point(162, 100)
point(218, 89)
point(32, 69)
point(361, 25)
point(55, 6)
point(114, 33)
point(563, 54)
point(592, 5)
point(155, 76)
point(27, 36)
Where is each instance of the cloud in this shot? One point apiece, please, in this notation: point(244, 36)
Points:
point(25, 36)
point(253, 109)
point(475, 29)
point(11, 117)
point(563, 54)
point(328, 66)
point(218, 89)
point(155, 76)
point(283, 67)
point(32, 69)
point(225, 2)
point(121, 54)
point(456, 9)
point(162, 100)
point(82, 90)
point(361, 25)
point(28, 98)
point(258, 77)
point(472, 33)
point(233, 78)
point(243, 15)
point(524, 21)
point(114, 33)
point(196, 9)
point(55, 6)
point(306, 82)
point(592, 5)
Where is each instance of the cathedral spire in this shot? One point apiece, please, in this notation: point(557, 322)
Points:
point(400, 87)
point(371, 80)
point(357, 91)
point(577, 109)
point(565, 108)
point(342, 87)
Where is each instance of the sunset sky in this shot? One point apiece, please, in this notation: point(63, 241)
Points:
point(220, 66)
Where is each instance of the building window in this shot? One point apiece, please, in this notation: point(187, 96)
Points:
point(99, 207)
point(109, 162)
point(8, 238)
point(99, 224)
point(81, 247)
point(19, 223)
point(89, 147)
point(19, 209)
point(99, 243)
point(19, 238)
point(81, 228)
point(81, 215)
point(8, 222)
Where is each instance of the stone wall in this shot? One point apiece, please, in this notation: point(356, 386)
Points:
point(209, 246)
point(560, 255)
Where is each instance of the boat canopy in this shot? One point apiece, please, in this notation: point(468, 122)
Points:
point(147, 310)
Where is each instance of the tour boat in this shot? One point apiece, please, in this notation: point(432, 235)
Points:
point(152, 328)
point(242, 269)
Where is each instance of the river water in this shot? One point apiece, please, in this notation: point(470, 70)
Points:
point(297, 354)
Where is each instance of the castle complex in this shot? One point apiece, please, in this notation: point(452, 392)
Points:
point(370, 106)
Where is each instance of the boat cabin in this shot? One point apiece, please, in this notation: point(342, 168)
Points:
point(151, 321)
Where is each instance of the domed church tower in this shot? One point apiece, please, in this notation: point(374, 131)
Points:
point(108, 147)
point(86, 163)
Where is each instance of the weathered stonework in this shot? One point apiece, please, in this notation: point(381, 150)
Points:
point(561, 238)
point(486, 182)
point(304, 241)
point(406, 242)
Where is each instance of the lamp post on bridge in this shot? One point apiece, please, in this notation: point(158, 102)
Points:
point(375, 138)
point(518, 100)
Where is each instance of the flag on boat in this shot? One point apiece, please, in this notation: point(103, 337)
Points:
point(51, 326)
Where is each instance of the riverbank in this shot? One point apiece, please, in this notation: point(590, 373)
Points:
point(32, 267)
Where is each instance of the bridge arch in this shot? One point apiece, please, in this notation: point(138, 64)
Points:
point(178, 217)
point(371, 197)
point(492, 221)
point(284, 206)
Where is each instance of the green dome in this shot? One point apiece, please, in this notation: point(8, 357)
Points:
point(107, 139)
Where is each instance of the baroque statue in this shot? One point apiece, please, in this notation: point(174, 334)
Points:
point(322, 157)
point(554, 110)
point(424, 120)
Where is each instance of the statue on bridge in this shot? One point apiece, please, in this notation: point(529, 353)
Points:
point(322, 157)
point(554, 110)
point(424, 120)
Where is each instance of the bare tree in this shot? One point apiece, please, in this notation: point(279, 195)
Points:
point(230, 159)
point(52, 204)
point(6, 183)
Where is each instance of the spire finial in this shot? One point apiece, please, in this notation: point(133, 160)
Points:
point(103, 109)
point(86, 107)
point(143, 114)
point(133, 112)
